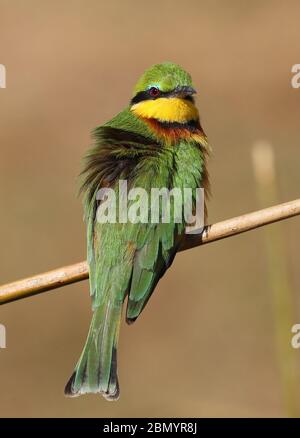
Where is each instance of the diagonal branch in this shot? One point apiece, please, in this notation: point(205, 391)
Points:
point(79, 271)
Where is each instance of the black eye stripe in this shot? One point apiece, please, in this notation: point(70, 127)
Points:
point(144, 95)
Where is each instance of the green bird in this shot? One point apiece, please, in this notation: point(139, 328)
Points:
point(156, 142)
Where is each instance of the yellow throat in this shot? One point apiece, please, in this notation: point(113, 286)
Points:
point(171, 109)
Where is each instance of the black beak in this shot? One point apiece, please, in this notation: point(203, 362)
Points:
point(184, 91)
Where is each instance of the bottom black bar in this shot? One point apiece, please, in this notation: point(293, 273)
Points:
point(136, 426)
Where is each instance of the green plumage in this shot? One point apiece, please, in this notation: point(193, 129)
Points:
point(127, 259)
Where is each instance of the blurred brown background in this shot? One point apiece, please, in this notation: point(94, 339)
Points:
point(204, 346)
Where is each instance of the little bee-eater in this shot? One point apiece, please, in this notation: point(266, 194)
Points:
point(156, 142)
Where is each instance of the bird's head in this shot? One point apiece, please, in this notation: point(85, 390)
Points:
point(165, 93)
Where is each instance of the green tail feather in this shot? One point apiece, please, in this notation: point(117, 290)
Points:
point(96, 370)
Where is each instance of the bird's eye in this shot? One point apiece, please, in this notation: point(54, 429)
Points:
point(154, 91)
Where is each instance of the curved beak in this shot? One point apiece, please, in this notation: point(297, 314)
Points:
point(184, 91)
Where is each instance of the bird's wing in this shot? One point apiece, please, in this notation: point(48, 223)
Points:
point(152, 258)
point(111, 246)
point(127, 258)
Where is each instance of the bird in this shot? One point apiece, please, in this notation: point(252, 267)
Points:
point(156, 141)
